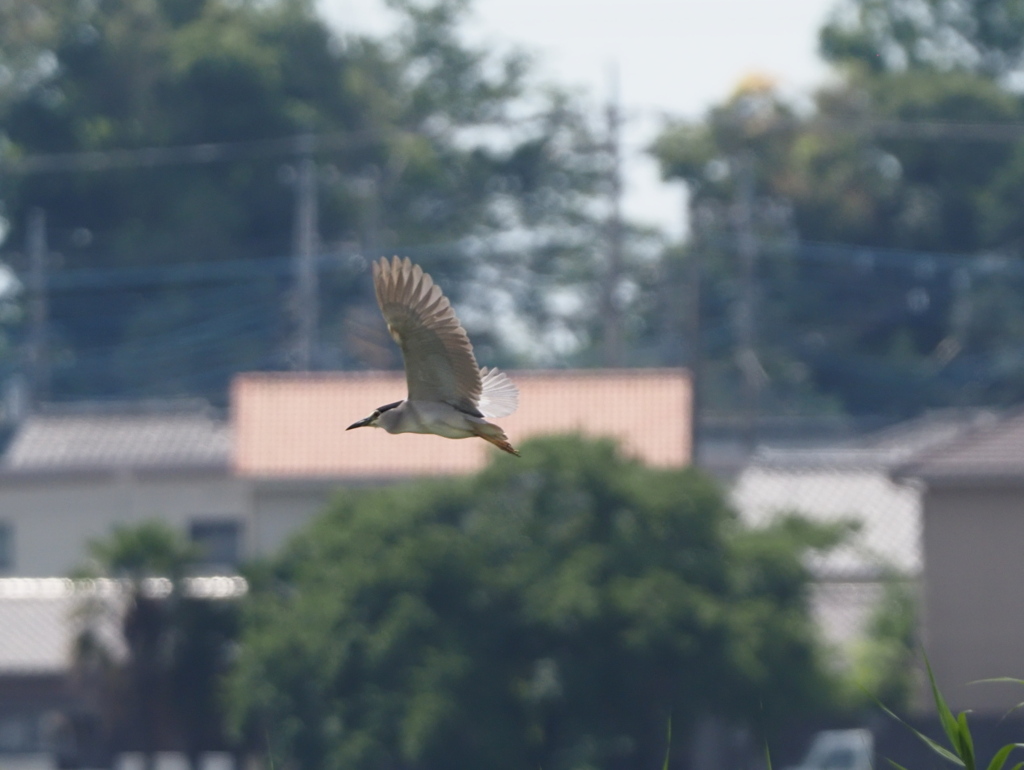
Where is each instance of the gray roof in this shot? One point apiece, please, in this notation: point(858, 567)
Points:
point(987, 453)
point(883, 449)
point(932, 429)
point(142, 439)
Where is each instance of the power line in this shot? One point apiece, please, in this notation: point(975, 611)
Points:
point(233, 270)
point(925, 130)
point(295, 145)
point(194, 154)
point(867, 257)
point(290, 146)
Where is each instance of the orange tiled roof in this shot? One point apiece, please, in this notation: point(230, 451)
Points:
point(293, 425)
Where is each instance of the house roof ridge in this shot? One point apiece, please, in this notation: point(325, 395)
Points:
point(128, 408)
point(929, 462)
point(78, 440)
point(526, 372)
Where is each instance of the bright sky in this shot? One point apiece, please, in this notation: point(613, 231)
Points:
point(672, 57)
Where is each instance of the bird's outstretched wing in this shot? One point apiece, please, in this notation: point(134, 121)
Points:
point(439, 361)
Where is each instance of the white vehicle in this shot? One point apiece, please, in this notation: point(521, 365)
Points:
point(840, 750)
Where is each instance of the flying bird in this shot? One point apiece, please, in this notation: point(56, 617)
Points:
point(449, 395)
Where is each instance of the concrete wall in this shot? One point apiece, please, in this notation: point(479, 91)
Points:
point(973, 623)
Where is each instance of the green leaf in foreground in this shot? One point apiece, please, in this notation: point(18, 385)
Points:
point(1003, 754)
point(949, 723)
point(668, 743)
point(938, 748)
point(1005, 679)
point(966, 743)
point(958, 732)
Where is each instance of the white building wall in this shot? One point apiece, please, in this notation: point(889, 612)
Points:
point(281, 508)
point(888, 514)
point(53, 517)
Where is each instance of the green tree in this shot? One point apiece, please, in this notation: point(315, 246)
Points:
point(883, 662)
point(552, 612)
point(163, 693)
point(738, 166)
point(982, 36)
point(880, 292)
point(174, 275)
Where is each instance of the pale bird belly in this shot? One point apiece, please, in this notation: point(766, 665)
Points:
point(436, 420)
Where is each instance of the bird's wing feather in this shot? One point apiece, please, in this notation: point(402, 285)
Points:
point(439, 361)
point(500, 397)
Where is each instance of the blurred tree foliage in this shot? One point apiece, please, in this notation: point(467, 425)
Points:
point(886, 217)
point(883, 662)
point(433, 148)
point(981, 36)
point(158, 685)
point(550, 612)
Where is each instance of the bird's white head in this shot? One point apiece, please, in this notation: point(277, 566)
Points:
point(373, 421)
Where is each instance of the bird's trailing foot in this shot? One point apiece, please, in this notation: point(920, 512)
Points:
point(495, 435)
point(503, 445)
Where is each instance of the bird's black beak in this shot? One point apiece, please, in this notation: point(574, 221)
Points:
point(360, 424)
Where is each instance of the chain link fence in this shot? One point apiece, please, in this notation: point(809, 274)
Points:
point(848, 486)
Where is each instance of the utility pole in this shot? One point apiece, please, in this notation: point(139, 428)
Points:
point(746, 329)
point(369, 189)
point(692, 322)
point(38, 353)
point(305, 248)
point(611, 312)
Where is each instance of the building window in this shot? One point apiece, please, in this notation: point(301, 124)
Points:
point(6, 545)
point(219, 541)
